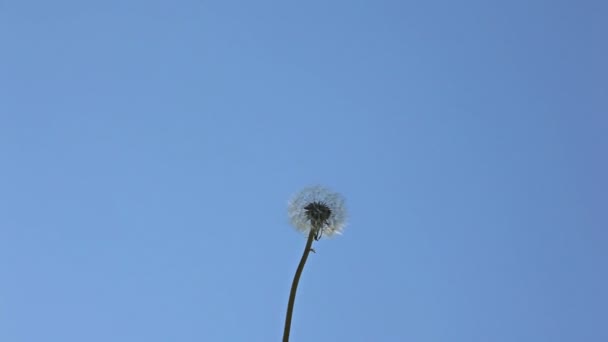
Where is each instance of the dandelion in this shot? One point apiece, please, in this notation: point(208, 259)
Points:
point(317, 212)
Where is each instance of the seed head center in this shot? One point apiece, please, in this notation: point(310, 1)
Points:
point(318, 213)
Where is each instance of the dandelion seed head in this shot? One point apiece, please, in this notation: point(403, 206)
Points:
point(317, 208)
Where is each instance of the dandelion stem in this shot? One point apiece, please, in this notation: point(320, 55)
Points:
point(294, 285)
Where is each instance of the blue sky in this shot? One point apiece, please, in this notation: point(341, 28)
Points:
point(148, 150)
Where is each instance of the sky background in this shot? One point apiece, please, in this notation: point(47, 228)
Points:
point(148, 150)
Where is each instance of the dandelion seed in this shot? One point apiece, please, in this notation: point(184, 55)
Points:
point(319, 209)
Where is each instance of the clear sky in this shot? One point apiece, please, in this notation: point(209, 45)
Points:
point(148, 150)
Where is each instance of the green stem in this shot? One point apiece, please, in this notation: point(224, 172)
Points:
point(294, 285)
